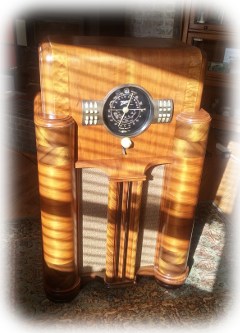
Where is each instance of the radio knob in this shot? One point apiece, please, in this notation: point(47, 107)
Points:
point(126, 142)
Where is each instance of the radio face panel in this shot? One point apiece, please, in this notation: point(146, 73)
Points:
point(127, 110)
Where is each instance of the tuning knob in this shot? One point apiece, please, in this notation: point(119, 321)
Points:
point(126, 142)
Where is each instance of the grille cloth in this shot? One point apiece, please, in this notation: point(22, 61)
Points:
point(94, 189)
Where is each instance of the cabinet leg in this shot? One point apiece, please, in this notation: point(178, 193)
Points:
point(57, 188)
point(179, 200)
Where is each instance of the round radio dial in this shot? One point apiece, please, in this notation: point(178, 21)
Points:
point(127, 111)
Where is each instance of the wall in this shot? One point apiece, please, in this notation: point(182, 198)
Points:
point(154, 20)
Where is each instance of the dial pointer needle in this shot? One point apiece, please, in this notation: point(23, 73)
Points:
point(125, 110)
point(130, 100)
point(122, 118)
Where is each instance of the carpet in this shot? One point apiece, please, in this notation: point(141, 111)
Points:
point(205, 298)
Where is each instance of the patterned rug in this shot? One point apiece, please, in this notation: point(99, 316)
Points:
point(205, 298)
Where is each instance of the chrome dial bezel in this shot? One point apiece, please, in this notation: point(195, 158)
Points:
point(132, 132)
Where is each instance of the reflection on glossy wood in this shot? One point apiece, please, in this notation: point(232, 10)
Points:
point(56, 174)
point(122, 246)
point(130, 210)
point(113, 209)
point(74, 69)
point(85, 68)
point(135, 205)
point(181, 187)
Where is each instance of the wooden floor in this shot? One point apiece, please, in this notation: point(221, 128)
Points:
point(220, 181)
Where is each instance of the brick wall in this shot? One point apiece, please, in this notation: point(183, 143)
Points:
point(154, 19)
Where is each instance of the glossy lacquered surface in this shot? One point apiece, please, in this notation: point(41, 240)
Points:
point(56, 176)
point(88, 68)
point(181, 188)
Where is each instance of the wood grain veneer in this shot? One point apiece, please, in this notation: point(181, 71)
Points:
point(135, 203)
point(181, 186)
point(124, 217)
point(56, 176)
point(75, 69)
point(113, 208)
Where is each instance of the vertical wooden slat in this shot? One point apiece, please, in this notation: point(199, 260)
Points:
point(135, 203)
point(111, 253)
point(123, 231)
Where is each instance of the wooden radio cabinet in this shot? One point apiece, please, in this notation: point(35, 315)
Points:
point(121, 105)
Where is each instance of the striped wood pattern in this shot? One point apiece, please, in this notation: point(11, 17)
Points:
point(112, 224)
point(74, 69)
point(182, 181)
point(133, 201)
point(135, 205)
point(56, 174)
point(122, 246)
point(87, 68)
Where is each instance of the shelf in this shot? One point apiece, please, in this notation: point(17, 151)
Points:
point(224, 24)
point(220, 79)
point(220, 93)
point(225, 123)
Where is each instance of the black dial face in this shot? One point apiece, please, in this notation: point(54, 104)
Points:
point(128, 111)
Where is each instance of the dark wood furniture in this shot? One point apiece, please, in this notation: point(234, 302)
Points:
point(77, 69)
point(213, 34)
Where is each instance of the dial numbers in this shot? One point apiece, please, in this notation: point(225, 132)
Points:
point(127, 110)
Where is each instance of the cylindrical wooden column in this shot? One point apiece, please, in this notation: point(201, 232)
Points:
point(180, 195)
point(55, 151)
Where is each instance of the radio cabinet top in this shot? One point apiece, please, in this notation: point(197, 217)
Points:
point(84, 78)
